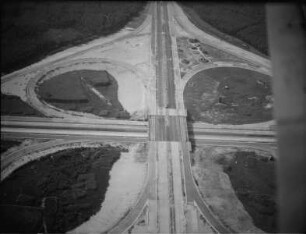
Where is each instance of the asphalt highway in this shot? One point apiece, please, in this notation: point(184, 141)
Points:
point(165, 128)
point(173, 129)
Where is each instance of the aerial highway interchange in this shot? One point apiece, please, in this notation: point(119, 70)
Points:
point(170, 189)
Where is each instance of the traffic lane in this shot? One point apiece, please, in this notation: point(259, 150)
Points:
point(160, 60)
point(83, 134)
point(165, 74)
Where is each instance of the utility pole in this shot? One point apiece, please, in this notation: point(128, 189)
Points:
point(287, 44)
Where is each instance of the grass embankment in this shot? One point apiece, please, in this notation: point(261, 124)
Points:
point(239, 185)
point(242, 24)
point(228, 95)
point(253, 179)
point(31, 30)
point(7, 144)
point(13, 105)
point(71, 183)
point(75, 91)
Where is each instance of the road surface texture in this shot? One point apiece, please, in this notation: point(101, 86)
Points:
point(170, 196)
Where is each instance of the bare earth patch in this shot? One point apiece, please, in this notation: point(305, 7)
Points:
point(61, 191)
point(34, 30)
point(192, 53)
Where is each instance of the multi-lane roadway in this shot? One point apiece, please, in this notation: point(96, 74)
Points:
point(17, 126)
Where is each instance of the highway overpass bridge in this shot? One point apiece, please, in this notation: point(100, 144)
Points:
point(126, 131)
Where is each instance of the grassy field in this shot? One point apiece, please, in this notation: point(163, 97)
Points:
point(242, 24)
point(74, 91)
point(229, 96)
point(253, 179)
point(192, 53)
point(72, 183)
point(13, 105)
point(238, 183)
point(31, 30)
point(6, 144)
